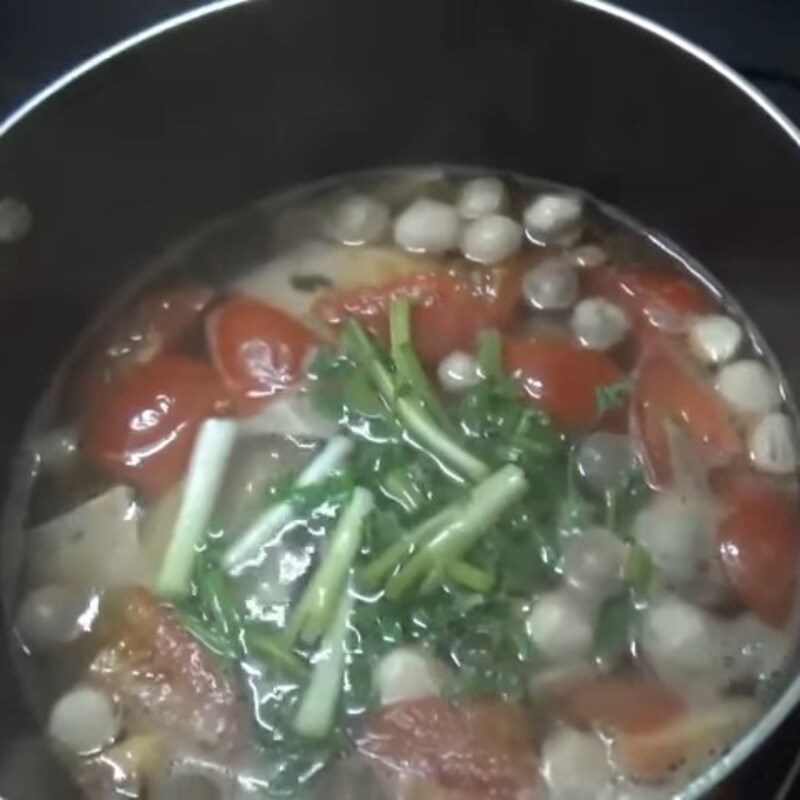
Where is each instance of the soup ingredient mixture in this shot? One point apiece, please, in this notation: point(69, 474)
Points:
point(460, 488)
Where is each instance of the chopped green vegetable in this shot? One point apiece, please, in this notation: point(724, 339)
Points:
point(312, 615)
point(410, 373)
point(614, 395)
point(206, 471)
point(248, 545)
point(490, 354)
point(479, 511)
point(269, 647)
point(639, 569)
point(408, 405)
point(315, 716)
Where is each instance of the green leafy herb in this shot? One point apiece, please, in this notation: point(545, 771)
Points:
point(614, 395)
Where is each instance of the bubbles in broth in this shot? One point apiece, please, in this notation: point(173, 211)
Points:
point(433, 483)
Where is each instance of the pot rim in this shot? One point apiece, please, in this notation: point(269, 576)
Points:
point(790, 697)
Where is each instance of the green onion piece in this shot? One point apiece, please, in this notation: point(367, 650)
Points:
point(214, 592)
point(207, 467)
point(269, 647)
point(313, 613)
point(276, 517)
point(407, 364)
point(470, 577)
point(208, 637)
point(382, 565)
point(315, 716)
point(410, 411)
point(484, 506)
point(490, 353)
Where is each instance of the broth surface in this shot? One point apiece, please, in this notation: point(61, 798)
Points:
point(412, 484)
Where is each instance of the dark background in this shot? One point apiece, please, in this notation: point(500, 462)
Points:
point(40, 39)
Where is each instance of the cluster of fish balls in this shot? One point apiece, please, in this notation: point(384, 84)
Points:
point(479, 225)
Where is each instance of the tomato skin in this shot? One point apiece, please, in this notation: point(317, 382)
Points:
point(562, 377)
point(666, 390)
point(142, 427)
point(257, 349)
point(625, 705)
point(479, 749)
point(651, 296)
point(760, 547)
point(448, 311)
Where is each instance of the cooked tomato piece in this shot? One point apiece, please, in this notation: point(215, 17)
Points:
point(449, 307)
point(760, 547)
point(165, 679)
point(667, 390)
point(258, 349)
point(562, 377)
point(142, 427)
point(481, 749)
point(616, 704)
point(650, 295)
point(159, 322)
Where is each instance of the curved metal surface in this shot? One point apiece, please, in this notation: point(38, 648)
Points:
point(16, 123)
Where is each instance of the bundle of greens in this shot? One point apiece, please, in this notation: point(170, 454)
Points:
point(436, 521)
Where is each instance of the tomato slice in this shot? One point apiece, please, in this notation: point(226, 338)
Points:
point(161, 321)
point(562, 377)
point(666, 390)
point(257, 349)
point(651, 296)
point(628, 705)
point(480, 749)
point(141, 428)
point(449, 307)
point(760, 547)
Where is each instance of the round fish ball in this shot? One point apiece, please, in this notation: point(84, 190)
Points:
point(458, 372)
point(749, 387)
point(593, 562)
point(603, 458)
point(575, 765)
point(357, 219)
point(773, 444)
point(550, 285)
point(598, 323)
point(752, 650)
point(679, 638)
point(587, 256)
point(490, 239)
point(675, 532)
point(715, 338)
point(560, 627)
point(427, 226)
point(84, 720)
point(551, 215)
point(50, 616)
point(408, 673)
point(481, 196)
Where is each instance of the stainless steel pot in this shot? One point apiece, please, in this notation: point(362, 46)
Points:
point(215, 108)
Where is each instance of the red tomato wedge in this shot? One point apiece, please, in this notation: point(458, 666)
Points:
point(159, 322)
point(449, 308)
point(562, 377)
point(257, 349)
point(142, 428)
point(626, 705)
point(667, 390)
point(481, 749)
point(760, 547)
point(651, 296)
